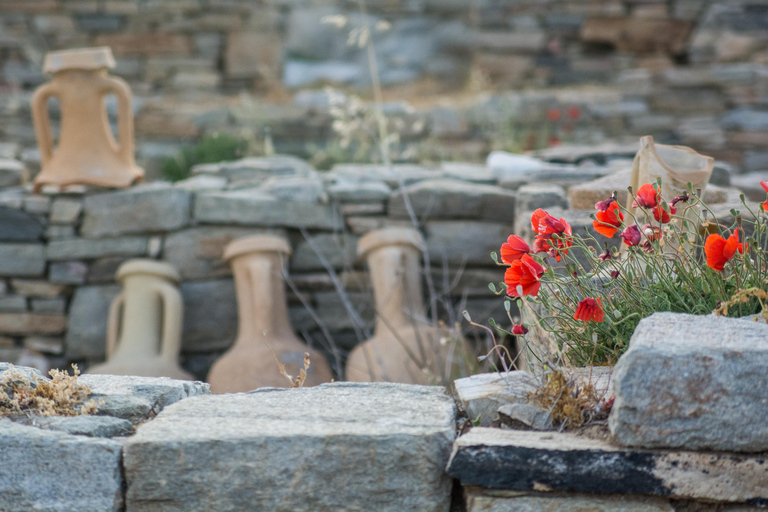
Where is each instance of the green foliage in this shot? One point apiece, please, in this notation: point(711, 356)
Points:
point(212, 149)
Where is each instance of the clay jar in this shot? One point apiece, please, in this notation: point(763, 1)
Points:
point(147, 314)
point(264, 335)
point(404, 347)
point(87, 153)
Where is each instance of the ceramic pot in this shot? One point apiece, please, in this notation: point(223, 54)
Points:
point(87, 153)
point(144, 327)
point(404, 347)
point(264, 335)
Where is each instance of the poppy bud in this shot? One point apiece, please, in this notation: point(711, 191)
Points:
point(631, 235)
point(519, 330)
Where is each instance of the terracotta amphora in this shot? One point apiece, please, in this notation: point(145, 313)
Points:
point(404, 347)
point(144, 327)
point(87, 153)
point(265, 338)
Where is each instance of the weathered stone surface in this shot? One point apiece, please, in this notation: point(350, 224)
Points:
point(256, 170)
point(45, 470)
point(354, 191)
point(35, 288)
point(394, 175)
point(52, 306)
point(295, 188)
point(143, 209)
point(65, 211)
point(45, 344)
point(525, 416)
point(694, 390)
point(197, 252)
point(210, 315)
point(81, 248)
point(453, 199)
point(84, 425)
point(22, 260)
point(18, 226)
point(253, 207)
point(585, 195)
point(533, 196)
point(136, 398)
point(88, 312)
point(13, 303)
point(479, 500)
point(32, 323)
point(520, 460)
point(477, 241)
point(11, 172)
point(249, 445)
point(338, 251)
point(68, 272)
point(483, 394)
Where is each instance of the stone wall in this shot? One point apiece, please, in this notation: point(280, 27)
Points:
point(685, 71)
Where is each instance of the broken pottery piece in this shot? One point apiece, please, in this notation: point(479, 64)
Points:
point(265, 338)
point(148, 315)
point(404, 347)
point(87, 153)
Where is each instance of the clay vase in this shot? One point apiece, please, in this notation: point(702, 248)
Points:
point(144, 327)
point(404, 347)
point(264, 335)
point(87, 153)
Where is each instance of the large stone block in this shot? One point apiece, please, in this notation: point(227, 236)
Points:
point(210, 315)
point(81, 248)
point(518, 460)
point(47, 470)
point(22, 259)
point(32, 323)
point(695, 382)
point(88, 312)
point(255, 208)
point(197, 252)
point(453, 199)
point(338, 251)
point(340, 447)
point(18, 226)
point(143, 209)
point(494, 501)
point(465, 241)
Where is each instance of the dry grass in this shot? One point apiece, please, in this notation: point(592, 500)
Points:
point(299, 380)
point(60, 396)
point(571, 402)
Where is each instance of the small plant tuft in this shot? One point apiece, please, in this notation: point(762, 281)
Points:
point(60, 396)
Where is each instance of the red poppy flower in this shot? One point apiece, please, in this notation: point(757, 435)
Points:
point(631, 235)
point(605, 204)
point(589, 309)
point(513, 249)
point(609, 221)
point(519, 330)
point(553, 114)
point(719, 250)
point(764, 184)
point(647, 197)
point(525, 272)
point(660, 214)
point(574, 112)
point(615, 274)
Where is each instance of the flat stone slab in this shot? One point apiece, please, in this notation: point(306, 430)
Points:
point(22, 259)
point(702, 385)
point(479, 500)
point(552, 461)
point(84, 425)
point(53, 471)
point(340, 447)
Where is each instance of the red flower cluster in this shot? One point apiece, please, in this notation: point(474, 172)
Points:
point(523, 271)
point(719, 250)
point(545, 226)
point(609, 218)
point(764, 184)
point(647, 197)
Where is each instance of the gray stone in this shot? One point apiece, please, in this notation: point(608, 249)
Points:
point(254, 207)
point(37, 205)
point(476, 173)
point(18, 226)
point(721, 174)
point(45, 344)
point(56, 305)
point(694, 390)
point(52, 232)
point(295, 188)
point(13, 303)
point(35, 288)
point(745, 119)
point(257, 169)
point(338, 251)
point(202, 182)
point(12, 173)
point(755, 160)
point(84, 425)
point(393, 175)
point(358, 191)
point(142, 209)
point(533, 196)
point(465, 241)
point(22, 260)
point(197, 252)
point(65, 211)
point(12, 197)
point(249, 446)
point(46, 470)
point(585, 195)
point(452, 199)
point(483, 394)
point(510, 501)
point(525, 416)
point(103, 269)
point(27, 373)
point(519, 460)
point(139, 398)
point(81, 248)
point(749, 184)
point(335, 314)
point(32, 323)
point(68, 272)
point(210, 315)
point(88, 312)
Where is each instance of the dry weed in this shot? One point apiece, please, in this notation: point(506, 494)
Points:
point(60, 396)
point(299, 380)
point(569, 401)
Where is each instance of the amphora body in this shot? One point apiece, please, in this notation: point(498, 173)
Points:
point(265, 338)
point(404, 347)
point(144, 329)
point(87, 153)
